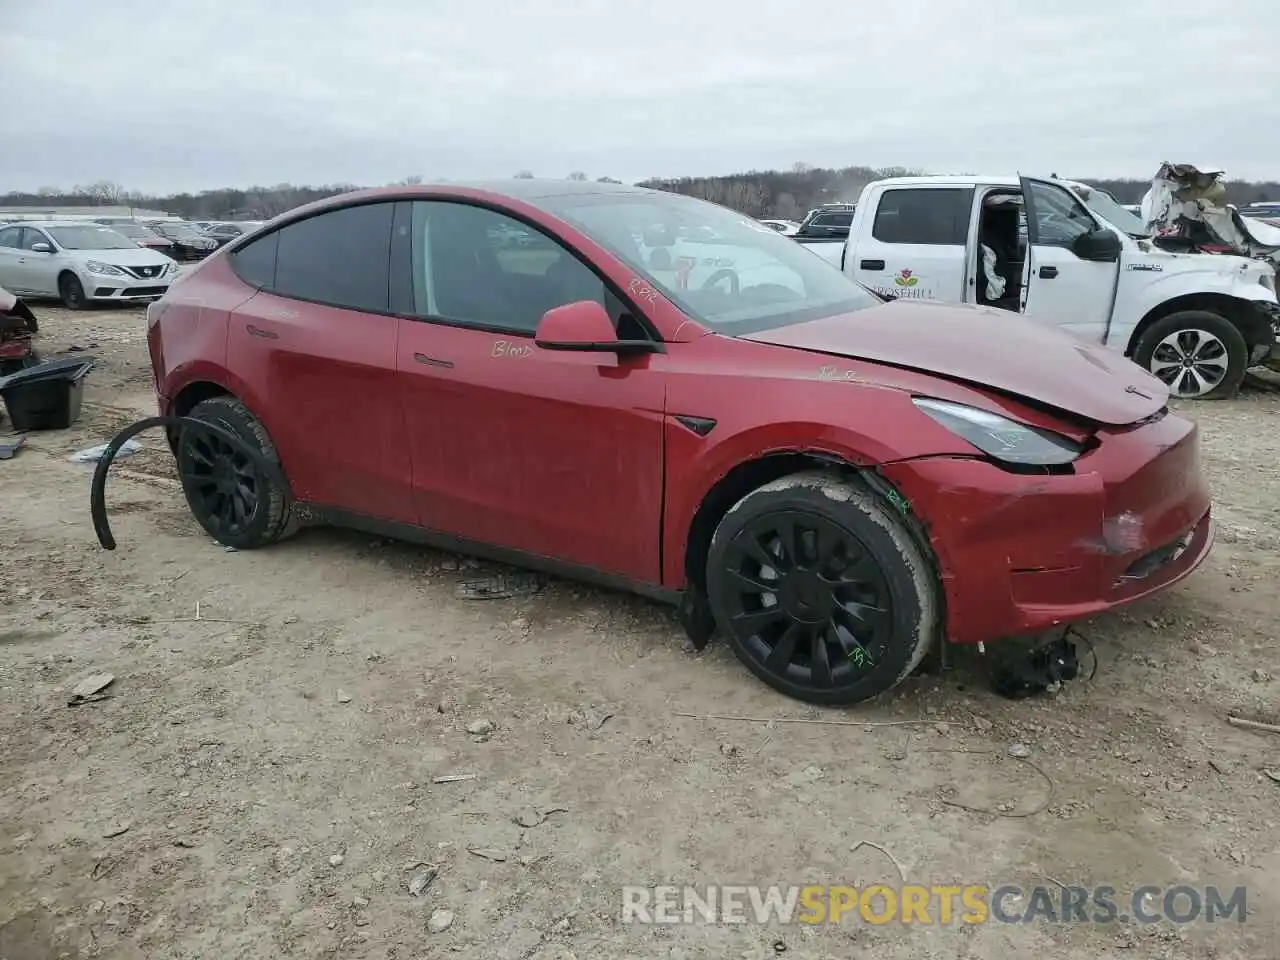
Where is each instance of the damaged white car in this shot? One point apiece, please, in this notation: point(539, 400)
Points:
point(1186, 209)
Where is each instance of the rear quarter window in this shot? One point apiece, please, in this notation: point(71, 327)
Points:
point(935, 216)
point(255, 263)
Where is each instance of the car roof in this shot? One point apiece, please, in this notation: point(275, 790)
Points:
point(958, 180)
point(44, 224)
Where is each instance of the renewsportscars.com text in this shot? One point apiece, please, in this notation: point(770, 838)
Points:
point(931, 905)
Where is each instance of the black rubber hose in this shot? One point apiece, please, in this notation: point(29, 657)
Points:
point(98, 489)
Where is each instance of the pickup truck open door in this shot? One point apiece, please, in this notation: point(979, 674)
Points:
point(1073, 262)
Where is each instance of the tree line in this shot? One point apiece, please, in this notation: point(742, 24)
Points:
point(785, 194)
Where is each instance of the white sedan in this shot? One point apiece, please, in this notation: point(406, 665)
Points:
point(80, 263)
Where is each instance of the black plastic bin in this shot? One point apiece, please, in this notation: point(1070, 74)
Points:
point(46, 396)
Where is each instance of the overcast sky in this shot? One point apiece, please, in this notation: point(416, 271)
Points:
point(197, 94)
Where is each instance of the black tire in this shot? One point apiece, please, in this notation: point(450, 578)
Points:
point(72, 292)
point(1211, 340)
point(875, 592)
point(227, 496)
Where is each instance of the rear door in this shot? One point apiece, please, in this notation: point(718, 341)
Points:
point(1058, 287)
point(317, 348)
point(914, 247)
point(11, 274)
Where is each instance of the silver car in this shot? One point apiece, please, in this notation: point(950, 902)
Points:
point(79, 263)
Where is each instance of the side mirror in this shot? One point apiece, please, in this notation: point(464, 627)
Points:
point(1098, 245)
point(585, 327)
point(41, 247)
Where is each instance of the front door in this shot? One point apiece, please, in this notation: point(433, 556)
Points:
point(547, 452)
point(317, 346)
point(1059, 288)
point(912, 245)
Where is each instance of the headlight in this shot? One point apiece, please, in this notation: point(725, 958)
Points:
point(1268, 280)
point(170, 268)
point(1000, 437)
point(103, 269)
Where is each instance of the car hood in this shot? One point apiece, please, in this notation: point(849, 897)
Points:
point(133, 257)
point(987, 348)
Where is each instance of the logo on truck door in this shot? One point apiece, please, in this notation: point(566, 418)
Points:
point(906, 278)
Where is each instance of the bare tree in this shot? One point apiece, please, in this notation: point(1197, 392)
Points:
point(524, 175)
point(577, 175)
point(105, 191)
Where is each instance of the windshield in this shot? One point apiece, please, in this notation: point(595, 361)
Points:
point(131, 230)
point(725, 270)
point(90, 238)
point(1105, 206)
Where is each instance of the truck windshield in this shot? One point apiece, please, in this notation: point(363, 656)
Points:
point(723, 269)
point(1105, 206)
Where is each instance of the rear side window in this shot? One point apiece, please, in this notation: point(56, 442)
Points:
point(341, 258)
point(256, 263)
point(938, 216)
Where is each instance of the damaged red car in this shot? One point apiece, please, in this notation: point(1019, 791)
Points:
point(657, 393)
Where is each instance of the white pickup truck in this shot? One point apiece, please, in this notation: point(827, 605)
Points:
point(1032, 246)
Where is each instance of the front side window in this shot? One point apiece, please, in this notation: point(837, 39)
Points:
point(937, 216)
point(31, 237)
point(720, 267)
point(90, 238)
point(479, 267)
point(340, 258)
point(1056, 217)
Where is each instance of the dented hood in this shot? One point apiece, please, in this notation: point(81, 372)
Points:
point(986, 348)
point(1183, 194)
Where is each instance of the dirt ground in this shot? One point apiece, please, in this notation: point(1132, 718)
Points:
point(274, 763)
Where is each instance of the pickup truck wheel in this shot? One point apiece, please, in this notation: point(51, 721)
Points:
point(1199, 354)
point(821, 590)
point(226, 493)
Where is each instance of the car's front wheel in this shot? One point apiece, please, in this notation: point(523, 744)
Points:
point(821, 589)
point(227, 494)
point(72, 292)
point(1199, 354)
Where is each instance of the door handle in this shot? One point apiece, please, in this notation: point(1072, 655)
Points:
point(432, 361)
point(871, 265)
point(1048, 273)
point(259, 332)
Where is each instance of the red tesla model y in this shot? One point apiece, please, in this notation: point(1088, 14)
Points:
point(661, 394)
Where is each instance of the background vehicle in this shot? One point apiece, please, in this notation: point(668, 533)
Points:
point(80, 262)
point(826, 228)
point(224, 233)
point(1196, 321)
point(188, 243)
point(141, 235)
point(787, 228)
point(18, 325)
point(590, 402)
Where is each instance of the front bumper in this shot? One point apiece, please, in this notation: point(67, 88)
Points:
point(124, 287)
point(1022, 554)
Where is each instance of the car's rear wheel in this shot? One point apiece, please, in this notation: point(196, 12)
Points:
point(72, 292)
point(1199, 354)
point(227, 494)
point(822, 591)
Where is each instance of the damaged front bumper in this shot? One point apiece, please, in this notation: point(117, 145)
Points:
point(1021, 554)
